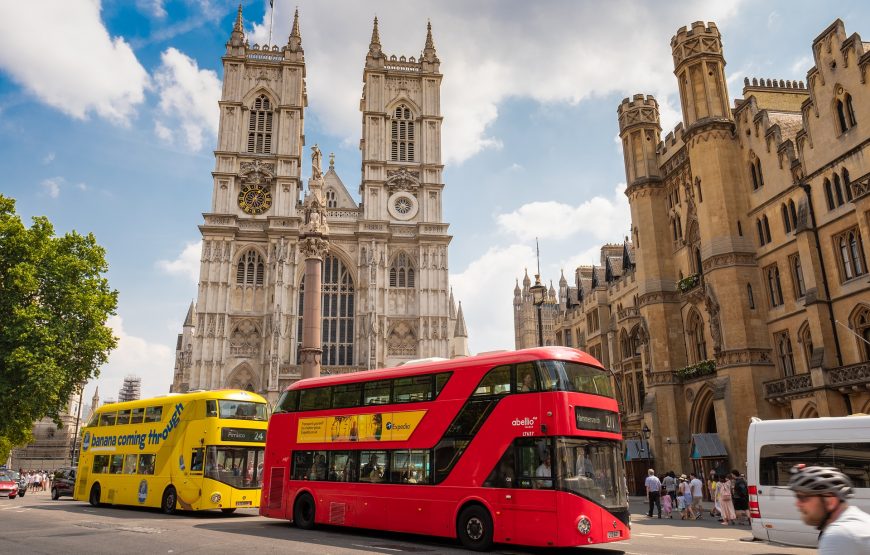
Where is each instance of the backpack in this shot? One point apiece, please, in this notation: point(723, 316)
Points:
point(740, 490)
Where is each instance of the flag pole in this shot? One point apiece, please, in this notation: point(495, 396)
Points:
point(271, 19)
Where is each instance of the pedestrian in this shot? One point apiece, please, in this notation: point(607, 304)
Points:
point(820, 496)
point(667, 505)
point(712, 484)
point(726, 504)
point(740, 495)
point(697, 487)
point(670, 486)
point(684, 501)
point(653, 492)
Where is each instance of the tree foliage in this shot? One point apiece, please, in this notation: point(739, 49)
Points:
point(54, 302)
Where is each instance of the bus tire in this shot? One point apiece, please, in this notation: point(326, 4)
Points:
point(228, 510)
point(303, 511)
point(94, 497)
point(170, 499)
point(474, 528)
point(54, 494)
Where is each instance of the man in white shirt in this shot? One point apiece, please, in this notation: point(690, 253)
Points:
point(653, 492)
point(544, 471)
point(697, 488)
point(820, 496)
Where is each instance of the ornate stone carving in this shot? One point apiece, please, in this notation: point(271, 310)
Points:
point(658, 297)
point(257, 166)
point(313, 247)
point(402, 180)
point(729, 259)
point(713, 311)
point(245, 339)
point(743, 357)
point(402, 340)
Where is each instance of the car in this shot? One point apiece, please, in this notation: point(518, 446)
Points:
point(8, 484)
point(63, 482)
point(22, 482)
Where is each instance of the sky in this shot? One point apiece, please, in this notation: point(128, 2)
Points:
point(108, 119)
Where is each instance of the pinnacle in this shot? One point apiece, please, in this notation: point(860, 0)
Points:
point(376, 37)
point(238, 26)
point(429, 42)
point(295, 31)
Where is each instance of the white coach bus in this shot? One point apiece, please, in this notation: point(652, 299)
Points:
point(774, 446)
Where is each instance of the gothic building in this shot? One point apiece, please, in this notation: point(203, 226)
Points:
point(743, 290)
point(385, 292)
point(526, 318)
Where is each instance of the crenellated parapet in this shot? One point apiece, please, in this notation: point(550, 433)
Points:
point(639, 131)
point(640, 110)
point(699, 40)
point(772, 84)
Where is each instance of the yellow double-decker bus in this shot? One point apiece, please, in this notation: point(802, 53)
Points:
point(192, 451)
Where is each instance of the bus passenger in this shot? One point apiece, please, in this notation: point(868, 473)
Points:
point(370, 471)
point(528, 383)
point(544, 471)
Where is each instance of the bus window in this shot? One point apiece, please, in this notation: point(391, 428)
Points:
point(347, 395)
point(410, 466)
point(504, 474)
point(239, 467)
point(101, 463)
point(440, 382)
point(123, 417)
point(153, 414)
point(117, 464)
point(570, 376)
point(536, 463)
point(242, 410)
point(95, 420)
point(107, 419)
point(374, 466)
point(594, 469)
point(377, 393)
point(146, 464)
point(343, 466)
point(196, 457)
point(130, 464)
point(412, 389)
point(211, 407)
point(471, 417)
point(288, 402)
point(447, 452)
point(526, 379)
point(314, 399)
point(496, 382)
point(302, 462)
point(138, 416)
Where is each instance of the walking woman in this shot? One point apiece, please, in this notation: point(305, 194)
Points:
point(726, 504)
point(685, 499)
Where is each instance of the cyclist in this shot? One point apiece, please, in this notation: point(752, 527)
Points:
point(820, 496)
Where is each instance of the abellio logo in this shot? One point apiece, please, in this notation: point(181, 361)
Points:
point(527, 423)
point(86, 441)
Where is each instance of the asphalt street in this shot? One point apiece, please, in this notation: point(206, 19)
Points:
point(36, 524)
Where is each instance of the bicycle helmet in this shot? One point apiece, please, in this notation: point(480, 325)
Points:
point(820, 480)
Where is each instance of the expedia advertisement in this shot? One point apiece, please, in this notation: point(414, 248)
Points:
point(380, 426)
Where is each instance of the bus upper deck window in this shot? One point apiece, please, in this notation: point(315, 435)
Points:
point(153, 414)
point(138, 416)
point(211, 408)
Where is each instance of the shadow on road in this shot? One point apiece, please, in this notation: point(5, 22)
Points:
point(129, 512)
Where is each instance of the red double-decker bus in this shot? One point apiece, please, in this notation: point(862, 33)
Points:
point(520, 447)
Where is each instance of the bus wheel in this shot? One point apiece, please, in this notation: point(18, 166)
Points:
point(169, 500)
point(94, 498)
point(303, 511)
point(474, 528)
point(54, 494)
point(229, 510)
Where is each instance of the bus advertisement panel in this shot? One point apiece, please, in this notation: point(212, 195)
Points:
point(193, 451)
point(519, 447)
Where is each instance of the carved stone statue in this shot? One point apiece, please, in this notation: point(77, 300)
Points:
point(316, 163)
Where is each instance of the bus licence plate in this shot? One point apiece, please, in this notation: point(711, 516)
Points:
point(243, 503)
point(614, 534)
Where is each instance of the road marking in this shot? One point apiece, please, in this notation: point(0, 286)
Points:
point(717, 539)
point(646, 534)
point(376, 547)
point(680, 537)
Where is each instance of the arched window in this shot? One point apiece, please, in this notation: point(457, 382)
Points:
point(337, 305)
point(806, 340)
point(861, 325)
point(850, 111)
point(786, 357)
point(766, 228)
point(847, 184)
point(838, 189)
point(260, 126)
point(402, 136)
point(754, 176)
point(841, 116)
point(749, 296)
point(758, 171)
point(829, 195)
point(786, 220)
point(250, 269)
point(793, 212)
point(698, 343)
point(774, 287)
point(402, 271)
point(797, 272)
point(760, 230)
point(331, 201)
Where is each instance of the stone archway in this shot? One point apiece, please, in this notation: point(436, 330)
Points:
point(242, 377)
point(809, 411)
point(703, 420)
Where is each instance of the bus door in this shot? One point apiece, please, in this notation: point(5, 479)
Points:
point(190, 482)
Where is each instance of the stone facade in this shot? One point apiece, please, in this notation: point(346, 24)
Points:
point(386, 297)
point(52, 446)
point(743, 290)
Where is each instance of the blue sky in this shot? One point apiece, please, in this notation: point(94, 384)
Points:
point(108, 117)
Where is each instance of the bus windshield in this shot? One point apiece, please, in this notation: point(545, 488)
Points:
point(240, 467)
point(593, 469)
point(242, 410)
point(559, 375)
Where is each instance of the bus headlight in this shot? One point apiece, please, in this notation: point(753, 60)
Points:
point(215, 497)
point(584, 525)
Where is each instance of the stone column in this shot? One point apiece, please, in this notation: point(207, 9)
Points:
point(313, 248)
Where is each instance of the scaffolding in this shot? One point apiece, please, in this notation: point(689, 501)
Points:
point(130, 390)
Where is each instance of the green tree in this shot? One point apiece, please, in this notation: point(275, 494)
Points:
point(54, 302)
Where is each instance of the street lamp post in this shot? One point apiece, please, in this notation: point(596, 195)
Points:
point(646, 433)
point(539, 294)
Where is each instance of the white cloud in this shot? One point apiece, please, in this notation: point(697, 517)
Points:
point(52, 186)
point(186, 264)
point(154, 8)
point(162, 132)
point(188, 99)
point(79, 68)
point(802, 65)
point(48, 159)
point(153, 362)
point(485, 288)
point(561, 51)
point(597, 217)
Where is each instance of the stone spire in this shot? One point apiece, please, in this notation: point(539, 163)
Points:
point(429, 50)
point(375, 44)
point(95, 402)
point(294, 43)
point(552, 291)
point(451, 308)
point(562, 280)
point(526, 281)
point(517, 289)
point(237, 37)
point(188, 320)
point(460, 330)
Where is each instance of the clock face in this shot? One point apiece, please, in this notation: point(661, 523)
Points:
point(255, 199)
